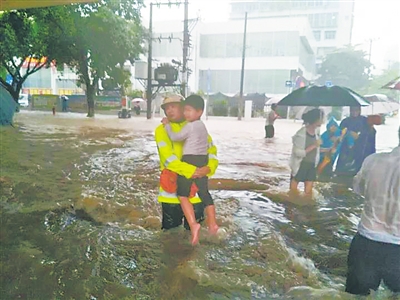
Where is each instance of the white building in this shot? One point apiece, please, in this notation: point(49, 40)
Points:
point(48, 81)
point(276, 52)
point(331, 21)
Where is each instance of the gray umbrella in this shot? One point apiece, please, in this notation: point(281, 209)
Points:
point(323, 96)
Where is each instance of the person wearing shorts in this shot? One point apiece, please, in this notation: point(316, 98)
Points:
point(269, 126)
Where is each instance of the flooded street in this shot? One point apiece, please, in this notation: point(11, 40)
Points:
point(80, 219)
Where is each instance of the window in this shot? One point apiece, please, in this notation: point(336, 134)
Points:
point(330, 35)
point(331, 20)
point(317, 35)
point(323, 20)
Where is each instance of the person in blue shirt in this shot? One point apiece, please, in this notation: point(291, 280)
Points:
point(352, 156)
point(331, 144)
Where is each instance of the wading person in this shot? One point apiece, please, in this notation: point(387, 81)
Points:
point(269, 123)
point(375, 250)
point(170, 154)
point(195, 152)
point(352, 155)
point(305, 152)
point(331, 143)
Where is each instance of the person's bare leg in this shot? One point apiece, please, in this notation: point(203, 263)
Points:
point(188, 211)
point(293, 186)
point(211, 220)
point(308, 187)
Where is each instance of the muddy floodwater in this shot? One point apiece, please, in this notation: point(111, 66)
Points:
point(80, 220)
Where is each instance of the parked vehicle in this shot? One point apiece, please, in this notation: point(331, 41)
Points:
point(23, 100)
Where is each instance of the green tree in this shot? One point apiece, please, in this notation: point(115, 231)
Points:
point(96, 40)
point(377, 81)
point(23, 50)
point(346, 67)
point(135, 93)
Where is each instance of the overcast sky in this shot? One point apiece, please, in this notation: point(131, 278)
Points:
point(378, 20)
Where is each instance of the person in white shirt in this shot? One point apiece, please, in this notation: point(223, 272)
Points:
point(269, 122)
point(305, 152)
point(375, 250)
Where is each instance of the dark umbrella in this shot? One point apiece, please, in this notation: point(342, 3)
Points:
point(393, 85)
point(7, 106)
point(323, 96)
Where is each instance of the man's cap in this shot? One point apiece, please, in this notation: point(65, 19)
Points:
point(195, 101)
point(173, 98)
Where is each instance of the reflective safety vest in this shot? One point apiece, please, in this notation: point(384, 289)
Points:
point(170, 154)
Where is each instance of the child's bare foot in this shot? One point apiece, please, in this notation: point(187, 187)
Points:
point(195, 230)
point(213, 229)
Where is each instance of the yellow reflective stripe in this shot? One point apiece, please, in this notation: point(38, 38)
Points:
point(170, 159)
point(162, 144)
point(167, 195)
point(212, 156)
point(210, 144)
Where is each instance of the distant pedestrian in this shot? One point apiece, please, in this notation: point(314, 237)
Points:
point(64, 103)
point(269, 123)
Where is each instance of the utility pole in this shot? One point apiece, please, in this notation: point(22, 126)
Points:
point(149, 89)
point(370, 50)
point(241, 100)
point(185, 49)
point(371, 40)
point(149, 92)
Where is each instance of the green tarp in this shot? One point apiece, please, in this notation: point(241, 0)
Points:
point(7, 106)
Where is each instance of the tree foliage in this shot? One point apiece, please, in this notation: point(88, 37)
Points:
point(346, 67)
point(377, 81)
point(97, 39)
point(23, 50)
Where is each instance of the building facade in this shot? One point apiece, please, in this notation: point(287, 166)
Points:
point(331, 21)
point(276, 52)
point(49, 81)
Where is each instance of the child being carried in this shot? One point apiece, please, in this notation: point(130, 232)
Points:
point(195, 152)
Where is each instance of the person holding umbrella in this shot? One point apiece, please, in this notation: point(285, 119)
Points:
point(351, 157)
point(305, 152)
point(64, 102)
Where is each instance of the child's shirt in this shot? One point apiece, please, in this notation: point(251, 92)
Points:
point(194, 134)
point(310, 140)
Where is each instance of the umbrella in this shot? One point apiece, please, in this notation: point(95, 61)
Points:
point(381, 104)
point(323, 96)
point(138, 100)
point(393, 85)
point(7, 106)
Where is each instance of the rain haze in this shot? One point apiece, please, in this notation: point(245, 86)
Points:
point(292, 136)
point(373, 20)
